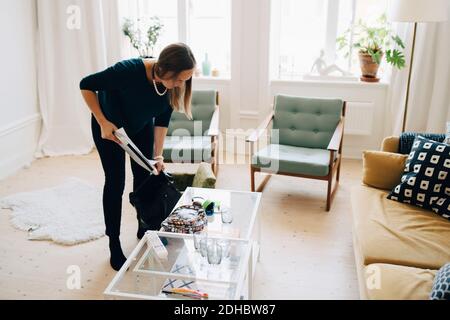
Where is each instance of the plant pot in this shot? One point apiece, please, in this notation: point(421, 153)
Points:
point(369, 68)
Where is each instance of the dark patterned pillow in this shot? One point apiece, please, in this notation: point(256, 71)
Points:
point(426, 180)
point(441, 284)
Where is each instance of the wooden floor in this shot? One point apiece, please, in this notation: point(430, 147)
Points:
point(306, 252)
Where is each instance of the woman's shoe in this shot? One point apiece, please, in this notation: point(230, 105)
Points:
point(117, 257)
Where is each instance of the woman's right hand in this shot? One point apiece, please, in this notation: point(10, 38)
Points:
point(108, 129)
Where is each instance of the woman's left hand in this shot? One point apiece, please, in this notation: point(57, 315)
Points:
point(160, 166)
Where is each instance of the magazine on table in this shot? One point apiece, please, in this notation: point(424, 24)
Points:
point(134, 151)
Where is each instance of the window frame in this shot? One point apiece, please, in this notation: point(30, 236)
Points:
point(183, 19)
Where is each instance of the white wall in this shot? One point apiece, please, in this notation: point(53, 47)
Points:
point(20, 119)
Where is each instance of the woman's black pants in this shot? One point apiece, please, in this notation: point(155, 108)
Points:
point(112, 157)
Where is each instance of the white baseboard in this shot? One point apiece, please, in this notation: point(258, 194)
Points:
point(18, 140)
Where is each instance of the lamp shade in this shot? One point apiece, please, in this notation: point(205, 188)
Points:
point(418, 10)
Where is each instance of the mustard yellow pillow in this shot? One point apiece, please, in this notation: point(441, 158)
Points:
point(383, 169)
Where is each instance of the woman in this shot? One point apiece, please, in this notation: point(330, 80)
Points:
point(139, 95)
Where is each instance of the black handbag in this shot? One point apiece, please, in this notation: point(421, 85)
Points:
point(154, 200)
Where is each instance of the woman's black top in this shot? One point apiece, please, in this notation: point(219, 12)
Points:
point(127, 98)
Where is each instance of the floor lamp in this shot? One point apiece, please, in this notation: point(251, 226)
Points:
point(416, 11)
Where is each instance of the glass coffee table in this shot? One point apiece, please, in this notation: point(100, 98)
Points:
point(146, 276)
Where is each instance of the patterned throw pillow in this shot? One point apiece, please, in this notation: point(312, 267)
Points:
point(447, 135)
point(441, 284)
point(426, 180)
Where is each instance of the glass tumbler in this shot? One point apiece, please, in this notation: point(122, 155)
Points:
point(214, 252)
point(203, 246)
point(198, 236)
point(227, 215)
point(225, 247)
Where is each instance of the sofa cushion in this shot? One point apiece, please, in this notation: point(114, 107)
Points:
point(391, 232)
point(441, 284)
point(398, 282)
point(407, 139)
point(282, 158)
point(390, 144)
point(426, 180)
point(383, 169)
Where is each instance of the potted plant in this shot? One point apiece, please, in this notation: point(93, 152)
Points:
point(144, 36)
point(373, 43)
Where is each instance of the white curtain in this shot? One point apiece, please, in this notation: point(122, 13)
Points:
point(67, 51)
point(429, 97)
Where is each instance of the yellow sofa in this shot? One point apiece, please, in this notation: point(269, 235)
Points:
point(398, 247)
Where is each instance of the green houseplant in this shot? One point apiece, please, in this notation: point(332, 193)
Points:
point(144, 36)
point(373, 43)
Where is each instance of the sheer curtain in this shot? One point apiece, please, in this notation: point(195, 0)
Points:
point(75, 38)
point(429, 99)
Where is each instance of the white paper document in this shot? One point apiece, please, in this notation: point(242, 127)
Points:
point(134, 152)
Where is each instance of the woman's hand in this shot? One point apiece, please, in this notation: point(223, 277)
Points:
point(108, 129)
point(160, 166)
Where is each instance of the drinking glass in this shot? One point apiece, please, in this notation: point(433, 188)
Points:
point(225, 247)
point(214, 252)
point(204, 246)
point(227, 215)
point(198, 236)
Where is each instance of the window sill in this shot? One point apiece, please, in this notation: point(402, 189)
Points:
point(336, 83)
point(211, 79)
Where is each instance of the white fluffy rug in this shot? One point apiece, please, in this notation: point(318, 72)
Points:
point(67, 214)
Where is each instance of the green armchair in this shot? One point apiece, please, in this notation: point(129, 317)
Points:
point(196, 140)
point(305, 141)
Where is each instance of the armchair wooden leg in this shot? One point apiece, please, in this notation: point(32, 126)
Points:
point(330, 180)
point(338, 170)
point(252, 179)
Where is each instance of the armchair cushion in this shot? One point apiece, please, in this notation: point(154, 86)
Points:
point(305, 122)
point(292, 159)
point(203, 106)
point(187, 149)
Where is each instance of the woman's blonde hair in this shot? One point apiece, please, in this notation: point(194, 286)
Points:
point(174, 59)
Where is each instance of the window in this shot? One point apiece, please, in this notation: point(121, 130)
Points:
point(301, 29)
point(204, 25)
point(210, 32)
point(165, 10)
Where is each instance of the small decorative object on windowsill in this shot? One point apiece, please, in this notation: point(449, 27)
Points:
point(215, 72)
point(320, 70)
point(206, 66)
point(373, 43)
